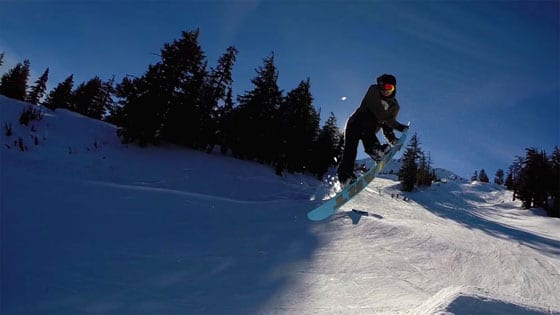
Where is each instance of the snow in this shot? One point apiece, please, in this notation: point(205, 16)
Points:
point(92, 226)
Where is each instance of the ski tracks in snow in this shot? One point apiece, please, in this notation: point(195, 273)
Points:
point(406, 253)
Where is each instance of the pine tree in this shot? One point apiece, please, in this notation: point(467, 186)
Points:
point(1, 59)
point(92, 98)
point(38, 90)
point(115, 114)
point(217, 96)
point(474, 178)
point(509, 181)
point(417, 167)
point(14, 83)
point(554, 189)
point(183, 65)
point(61, 95)
point(499, 177)
point(435, 178)
point(409, 170)
point(532, 187)
point(226, 123)
point(327, 148)
point(106, 98)
point(535, 180)
point(143, 106)
point(257, 116)
point(299, 128)
point(483, 177)
point(511, 178)
point(424, 175)
point(166, 102)
point(514, 175)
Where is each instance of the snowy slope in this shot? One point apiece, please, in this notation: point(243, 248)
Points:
point(91, 226)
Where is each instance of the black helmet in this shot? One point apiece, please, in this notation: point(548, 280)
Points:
point(387, 82)
point(387, 79)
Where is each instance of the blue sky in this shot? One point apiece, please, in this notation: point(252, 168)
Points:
point(480, 81)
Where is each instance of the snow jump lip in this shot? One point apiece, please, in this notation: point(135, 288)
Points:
point(182, 193)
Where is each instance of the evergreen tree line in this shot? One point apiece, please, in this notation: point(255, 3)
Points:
point(179, 100)
point(535, 180)
point(482, 177)
point(416, 169)
point(92, 98)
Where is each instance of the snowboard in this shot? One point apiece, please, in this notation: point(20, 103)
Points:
point(330, 206)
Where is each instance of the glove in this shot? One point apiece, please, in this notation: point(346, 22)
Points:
point(402, 128)
point(393, 141)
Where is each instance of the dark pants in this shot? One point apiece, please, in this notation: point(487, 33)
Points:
point(357, 129)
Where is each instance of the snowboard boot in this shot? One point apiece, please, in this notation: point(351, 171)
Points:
point(346, 178)
point(378, 153)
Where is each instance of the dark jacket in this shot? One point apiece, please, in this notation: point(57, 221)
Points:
point(376, 112)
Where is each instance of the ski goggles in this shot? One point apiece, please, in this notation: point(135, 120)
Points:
point(388, 87)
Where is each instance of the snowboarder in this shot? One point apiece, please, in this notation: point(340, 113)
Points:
point(378, 110)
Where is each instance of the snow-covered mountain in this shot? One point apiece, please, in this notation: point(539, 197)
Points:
point(91, 226)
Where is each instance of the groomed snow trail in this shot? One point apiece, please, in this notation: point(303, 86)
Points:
point(406, 256)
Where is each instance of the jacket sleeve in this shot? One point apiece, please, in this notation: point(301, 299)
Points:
point(391, 117)
point(391, 122)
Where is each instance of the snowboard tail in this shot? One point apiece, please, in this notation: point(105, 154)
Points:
point(330, 206)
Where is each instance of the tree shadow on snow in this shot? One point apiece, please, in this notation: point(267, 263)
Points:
point(477, 305)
